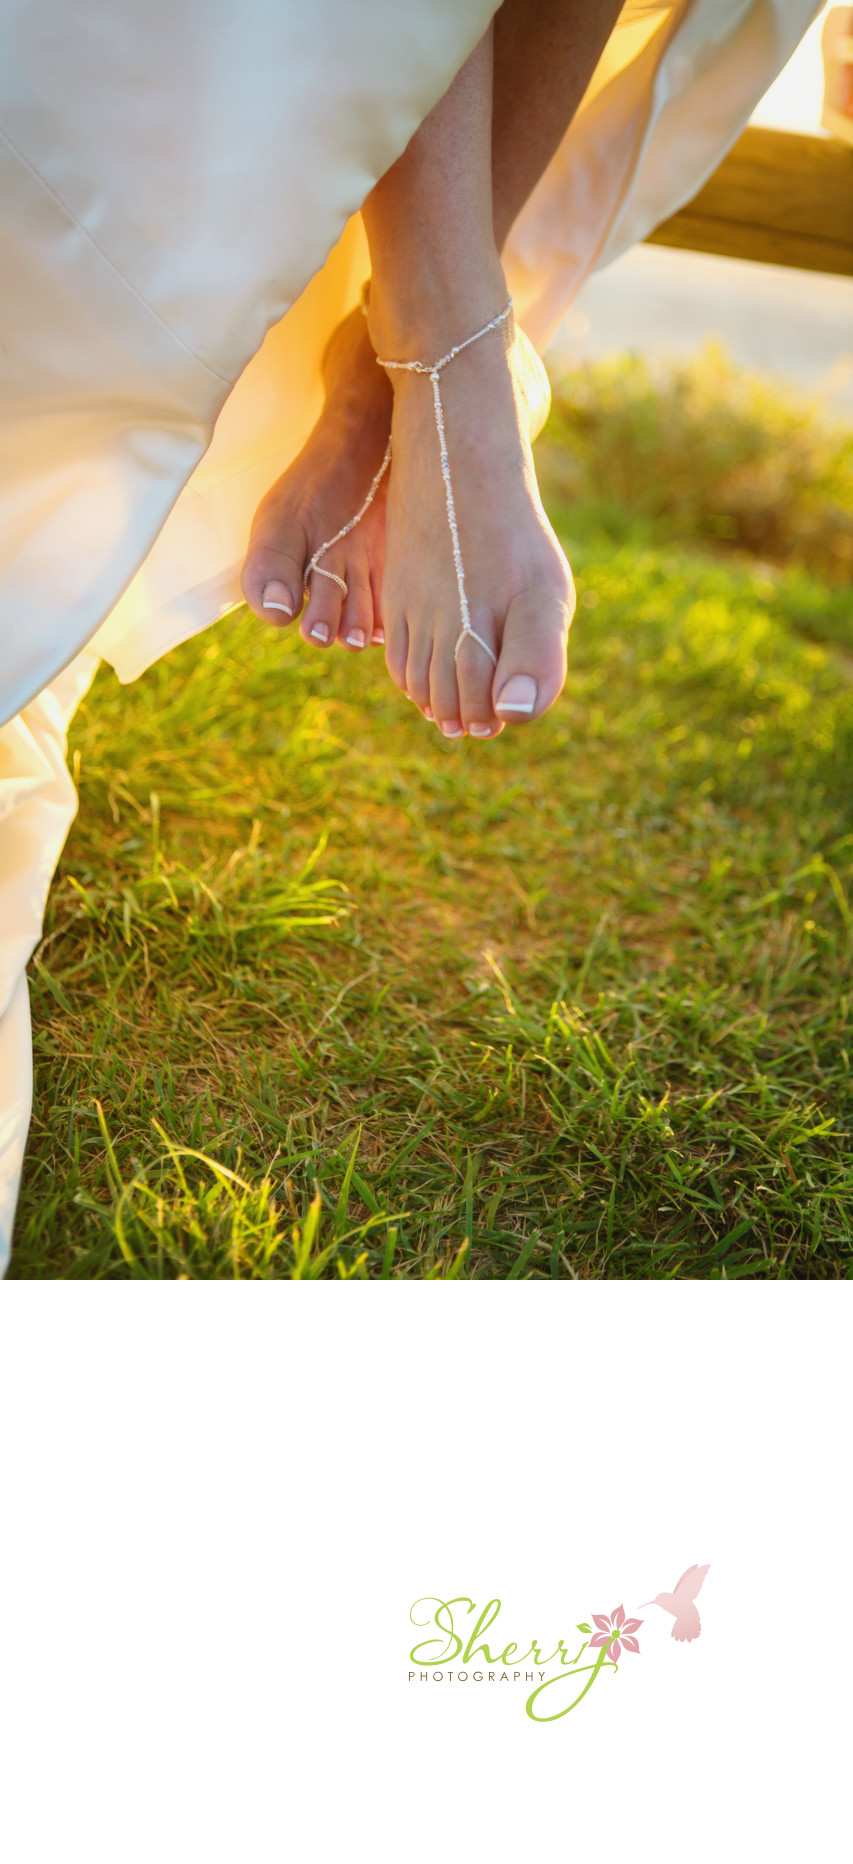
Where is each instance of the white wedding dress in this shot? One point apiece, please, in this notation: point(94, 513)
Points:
point(179, 234)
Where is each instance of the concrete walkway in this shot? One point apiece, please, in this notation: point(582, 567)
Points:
point(796, 326)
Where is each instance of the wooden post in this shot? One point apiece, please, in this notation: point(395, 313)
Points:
point(778, 197)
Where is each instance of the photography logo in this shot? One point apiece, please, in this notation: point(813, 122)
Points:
point(451, 1657)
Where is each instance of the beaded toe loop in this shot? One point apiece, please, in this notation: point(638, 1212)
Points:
point(314, 567)
point(433, 370)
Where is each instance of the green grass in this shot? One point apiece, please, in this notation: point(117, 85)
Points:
point(322, 995)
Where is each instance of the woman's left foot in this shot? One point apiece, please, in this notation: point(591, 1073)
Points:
point(319, 493)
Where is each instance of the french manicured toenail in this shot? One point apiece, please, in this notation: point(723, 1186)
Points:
point(379, 637)
point(356, 639)
point(451, 731)
point(428, 714)
point(518, 695)
point(480, 731)
point(277, 595)
point(319, 632)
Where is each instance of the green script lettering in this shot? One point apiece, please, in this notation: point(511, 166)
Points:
point(595, 1669)
point(483, 1622)
point(443, 1619)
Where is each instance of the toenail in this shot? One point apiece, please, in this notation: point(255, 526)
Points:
point(319, 632)
point(378, 636)
point(356, 639)
point(428, 714)
point(451, 731)
point(518, 695)
point(480, 731)
point(277, 595)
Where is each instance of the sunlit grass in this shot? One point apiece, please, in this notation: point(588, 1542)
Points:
point(321, 994)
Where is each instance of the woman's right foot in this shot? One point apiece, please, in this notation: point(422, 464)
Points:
point(320, 492)
point(508, 664)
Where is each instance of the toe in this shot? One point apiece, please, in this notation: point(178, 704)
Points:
point(417, 670)
point(356, 623)
point(444, 701)
point(327, 591)
point(395, 635)
point(474, 674)
point(531, 669)
point(271, 580)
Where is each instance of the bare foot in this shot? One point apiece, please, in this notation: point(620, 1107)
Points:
point(518, 583)
point(321, 491)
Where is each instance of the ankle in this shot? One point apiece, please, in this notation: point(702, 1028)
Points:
point(358, 412)
point(419, 318)
point(356, 390)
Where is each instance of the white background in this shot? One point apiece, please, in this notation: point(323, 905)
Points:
point(219, 1503)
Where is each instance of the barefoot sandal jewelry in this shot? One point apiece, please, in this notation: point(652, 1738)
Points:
point(314, 566)
point(433, 370)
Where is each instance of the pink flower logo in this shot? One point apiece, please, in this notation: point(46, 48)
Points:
point(615, 1632)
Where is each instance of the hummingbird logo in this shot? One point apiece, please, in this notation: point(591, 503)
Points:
point(680, 1602)
point(561, 1680)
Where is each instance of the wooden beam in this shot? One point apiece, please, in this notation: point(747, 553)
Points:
point(781, 198)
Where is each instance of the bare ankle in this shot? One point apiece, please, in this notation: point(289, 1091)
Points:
point(419, 318)
point(357, 393)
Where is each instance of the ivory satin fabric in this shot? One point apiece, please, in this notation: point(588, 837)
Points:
point(180, 183)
